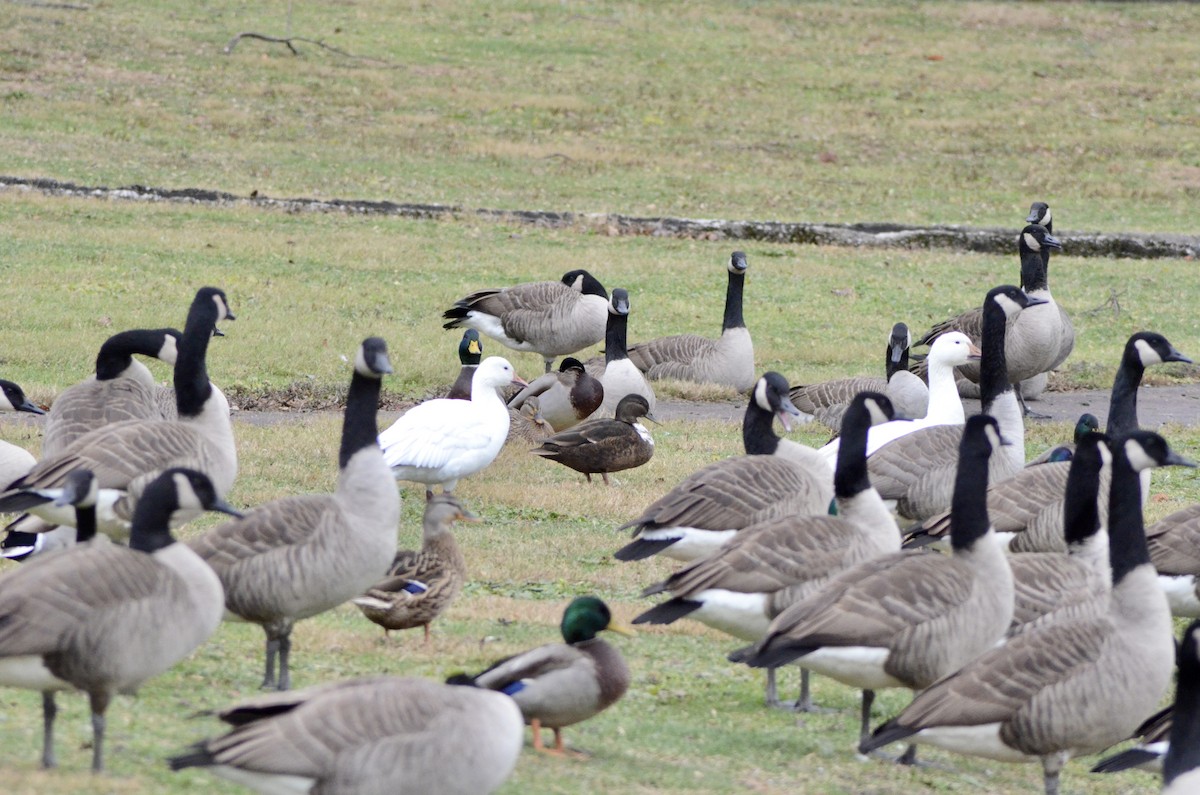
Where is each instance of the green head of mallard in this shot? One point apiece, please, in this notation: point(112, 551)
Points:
point(587, 616)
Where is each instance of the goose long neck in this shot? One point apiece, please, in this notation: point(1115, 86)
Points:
point(150, 529)
point(359, 425)
point(733, 302)
point(1122, 404)
point(1081, 512)
point(192, 388)
point(1184, 751)
point(893, 367)
point(850, 475)
point(115, 356)
point(758, 431)
point(969, 504)
point(1034, 268)
point(85, 524)
point(1126, 533)
point(615, 337)
point(993, 367)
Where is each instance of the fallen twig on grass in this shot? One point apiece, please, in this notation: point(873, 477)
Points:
point(291, 41)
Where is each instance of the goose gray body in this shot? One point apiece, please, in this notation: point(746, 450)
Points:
point(564, 398)
point(1175, 551)
point(298, 556)
point(728, 360)
point(371, 736)
point(122, 388)
point(604, 445)
point(104, 618)
point(616, 372)
point(548, 318)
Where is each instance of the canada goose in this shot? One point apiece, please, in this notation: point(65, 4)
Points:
point(470, 352)
point(604, 445)
point(1153, 736)
point(827, 401)
point(104, 618)
point(1181, 764)
point(945, 406)
point(371, 736)
point(127, 455)
point(712, 504)
point(421, 584)
point(1087, 423)
point(771, 565)
point(917, 470)
point(526, 425)
point(728, 361)
point(1035, 340)
point(549, 318)
point(441, 440)
point(15, 462)
point(121, 389)
point(909, 618)
point(561, 684)
point(1071, 687)
point(567, 397)
point(79, 489)
point(1174, 543)
point(616, 372)
point(298, 556)
point(1039, 214)
point(1027, 509)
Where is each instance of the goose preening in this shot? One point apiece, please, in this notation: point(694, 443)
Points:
point(945, 406)
point(827, 401)
point(371, 736)
point(298, 556)
point(771, 565)
point(470, 353)
point(728, 360)
point(616, 371)
point(104, 618)
point(548, 318)
point(443, 440)
point(422, 583)
point(917, 470)
point(565, 398)
point(122, 388)
point(909, 618)
point(15, 462)
point(1070, 687)
point(1027, 509)
point(125, 456)
point(561, 684)
point(604, 445)
point(775, 478)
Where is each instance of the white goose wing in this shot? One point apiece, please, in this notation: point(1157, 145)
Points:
point(437, 432)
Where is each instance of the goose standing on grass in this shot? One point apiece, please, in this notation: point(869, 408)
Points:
point(828, 400)
point(104, 618)
point(616, 372)
point(371, 736)
point(604, 445)
point(125, 456)
point(548, 318)
point(565, 398)
point(15, 462)
point(561, 684)
point(909, 618)
point(775, 478)
point(421, 584)
point(945, 406)
point(1071, 687)
point(470, 352)
point(1027, 509)
point(121, 389)
point(771, 565)
point(728, 361)
point(298, 556)
point(442, 440)
point(917, 470)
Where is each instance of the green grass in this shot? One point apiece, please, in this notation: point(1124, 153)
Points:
point(946, 112)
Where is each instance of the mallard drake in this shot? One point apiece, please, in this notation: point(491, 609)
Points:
point(548, 318)
point(470, 353)
point(561, 684)
point(728, 360)
point(565, 398)
point(371, 736)
point(421, 584)
point(1087, 423)
point(604, 445)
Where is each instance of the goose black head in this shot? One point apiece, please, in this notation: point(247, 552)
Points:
point(619, 305)
point(1039, 213)
point(372, 358)
point(584, 282)
point(1011, 299)
point(1035, 237)
point(1149, 347)
point(12, 398)
point(771, 394)
point(737, 262)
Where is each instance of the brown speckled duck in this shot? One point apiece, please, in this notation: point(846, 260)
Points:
point(527, 425)
point(561, 684)
point(604, 445)
point(421, 584)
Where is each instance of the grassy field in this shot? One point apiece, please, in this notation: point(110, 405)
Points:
point(936, 112)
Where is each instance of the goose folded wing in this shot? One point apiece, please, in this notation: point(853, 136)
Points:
point(680, 348)
point(272, 529)
point(1175, 542)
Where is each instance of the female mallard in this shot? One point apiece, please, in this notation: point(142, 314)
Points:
point(420, 585)
point(561, 684)
point(607, 445)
